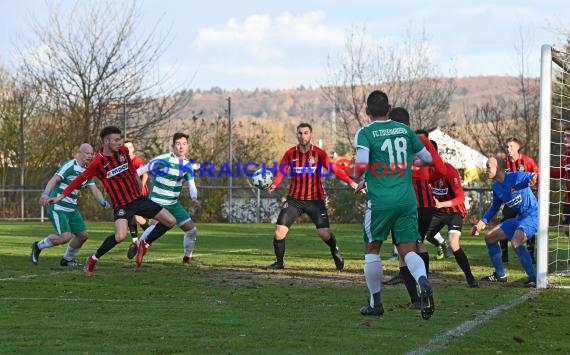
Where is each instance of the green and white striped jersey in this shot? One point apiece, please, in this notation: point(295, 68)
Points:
point(168, 172)
point(68, 171)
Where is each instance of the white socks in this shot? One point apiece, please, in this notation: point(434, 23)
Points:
point(439, 238)
point(415, 265)
point(70, 253)
point(373, 274)
point(146, 233)
point(189, 241)
point(45, 243)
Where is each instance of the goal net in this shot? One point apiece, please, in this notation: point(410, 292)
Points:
point(553, 255)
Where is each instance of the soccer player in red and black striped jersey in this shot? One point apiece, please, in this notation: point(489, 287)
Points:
point(563, 172)
point(515, 161)
point(449, 201)
point(133, 230)
point(304, 163)
point(112, 165)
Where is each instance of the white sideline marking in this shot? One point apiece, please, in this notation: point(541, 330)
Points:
point(51, 299)
point(444, 339)
point(23, 277)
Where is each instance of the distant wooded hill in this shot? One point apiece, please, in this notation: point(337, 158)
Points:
point(281, 110)
point(308, 103)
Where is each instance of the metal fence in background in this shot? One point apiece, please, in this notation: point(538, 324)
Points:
point(249, 205)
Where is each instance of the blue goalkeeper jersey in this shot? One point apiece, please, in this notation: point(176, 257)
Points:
point(515, 193)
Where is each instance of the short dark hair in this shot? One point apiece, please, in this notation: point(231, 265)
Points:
point(305, 125)
point(179, 135)
point(434, 143)
point(422, 131)
point(377, 104)
point(513, 139)
point(108, 131)
point(400, 114)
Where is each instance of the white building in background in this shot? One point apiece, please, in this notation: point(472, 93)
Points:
point(464, 158)
point(460, 155)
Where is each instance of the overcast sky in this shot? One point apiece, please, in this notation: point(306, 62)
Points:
point(283, 44)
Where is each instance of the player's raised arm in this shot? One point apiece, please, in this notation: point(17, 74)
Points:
point(424, 157)
point(338, 170)
point(524, 179)
point(143, 170)
point(437, 162)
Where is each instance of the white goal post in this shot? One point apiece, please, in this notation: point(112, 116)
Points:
point(544, 167)
point(553, 245)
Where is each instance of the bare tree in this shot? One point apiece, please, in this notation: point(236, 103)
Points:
point(406, 73)
point(18, 103)
point(489, 125)
point(95, 69)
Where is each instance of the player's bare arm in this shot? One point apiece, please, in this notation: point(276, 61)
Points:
point(44, 198)
point(99, 196)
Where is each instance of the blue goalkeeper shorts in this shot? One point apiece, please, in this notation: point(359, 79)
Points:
point(527, 224)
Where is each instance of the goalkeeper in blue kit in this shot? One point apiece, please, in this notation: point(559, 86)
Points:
point(512, 189)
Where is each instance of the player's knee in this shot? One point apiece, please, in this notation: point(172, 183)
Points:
point(518, 240)
point(64, 238)
point(169, 221)
point(82, 236)
point(490, 238)
point(280, 233)
point(324, 233)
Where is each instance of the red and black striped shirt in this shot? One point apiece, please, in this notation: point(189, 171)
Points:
point(523, 163)
point(116, 172)
point(563, 172)
point(306, 172)
point(448, 188)
point(421, 175)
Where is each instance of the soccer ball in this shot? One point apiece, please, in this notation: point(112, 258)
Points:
point(262, 179)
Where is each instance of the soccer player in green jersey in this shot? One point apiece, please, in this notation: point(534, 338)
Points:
point(385, 153)
point(169, 171)
point(64, 215)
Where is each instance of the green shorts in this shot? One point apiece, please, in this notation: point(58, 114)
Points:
point(66, 222)
point(402, 221)
point(179, 213)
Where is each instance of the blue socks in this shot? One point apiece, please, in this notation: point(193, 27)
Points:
point(526, 261)
point(496, 258)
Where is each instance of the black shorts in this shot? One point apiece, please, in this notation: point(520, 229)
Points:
point(565, 213)
point(425, 214)
point(293, 208)
point(453, 221)
point(142, 206)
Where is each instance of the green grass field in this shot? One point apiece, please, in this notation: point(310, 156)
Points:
point(227, 304)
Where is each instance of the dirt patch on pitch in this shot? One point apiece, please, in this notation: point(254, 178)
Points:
point(256, 277)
